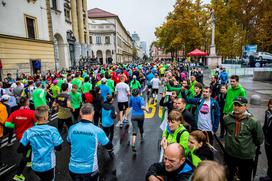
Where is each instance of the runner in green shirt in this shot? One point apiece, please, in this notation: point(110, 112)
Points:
point(76, 100)
point(78, 82)
point(110, 82)
point(55, 89)
point(87, 86)
point(135, 84)
point(39, 96)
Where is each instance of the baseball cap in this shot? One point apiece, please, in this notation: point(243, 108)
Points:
point(240, 100)
point(104, 80)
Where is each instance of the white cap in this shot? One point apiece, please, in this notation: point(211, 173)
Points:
point(104, 80)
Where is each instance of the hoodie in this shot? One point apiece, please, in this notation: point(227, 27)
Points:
point(108, 114)
point(233, 93)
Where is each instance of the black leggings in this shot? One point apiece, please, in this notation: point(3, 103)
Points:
point(109, 131)
point(268, 151)
point(97, 117)
point(137, 123)
point(68, 122)
point(84, 177)
point(47, 175)
point(26, 158)
point(76, 114)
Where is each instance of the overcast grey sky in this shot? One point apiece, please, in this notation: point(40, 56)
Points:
point(141, 16)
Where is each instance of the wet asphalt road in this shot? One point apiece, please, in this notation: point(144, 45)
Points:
point(124, 166)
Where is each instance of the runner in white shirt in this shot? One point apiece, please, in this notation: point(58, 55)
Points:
point(155, 83)
point(122, 91)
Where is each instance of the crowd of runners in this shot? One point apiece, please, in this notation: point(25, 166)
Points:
point(91, 102)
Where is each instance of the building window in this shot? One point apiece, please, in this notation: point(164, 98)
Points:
point(107, 40)
point(30, 27)
point(67, 14)
point(54, 4)
point(119, 43)
point(91, 40)
point(98, 40)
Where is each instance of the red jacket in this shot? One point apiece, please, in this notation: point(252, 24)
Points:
point(23, 119)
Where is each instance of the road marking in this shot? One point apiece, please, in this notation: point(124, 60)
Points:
point(153, 110)
point(7, 169)
point(160, 112)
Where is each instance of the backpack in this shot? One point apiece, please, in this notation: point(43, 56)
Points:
point(178, 135)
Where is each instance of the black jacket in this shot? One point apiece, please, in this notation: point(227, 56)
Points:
point(168, 104)
point(267, 127)
point(215, 88)
point(204, 152)
point(190, 119)
point(183, 173)
point(97, 103)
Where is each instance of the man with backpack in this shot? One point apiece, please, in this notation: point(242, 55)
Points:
point(223, 77)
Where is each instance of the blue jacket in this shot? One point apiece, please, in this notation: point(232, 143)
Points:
point(215, 109)
point(223, 77)
point(108, 115)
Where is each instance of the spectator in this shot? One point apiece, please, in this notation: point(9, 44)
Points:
point(215, 87)
point(209, 171)
point(175, 131)
point(221, 101)
point(187, 116)
point(174, 166)
point(207, 113)
point(170, 103)
point(223, 77)
point(243, 134)
point(267, 129)
point(234, 91)
point(200, 148)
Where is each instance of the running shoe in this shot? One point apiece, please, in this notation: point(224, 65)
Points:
point(133, 148)
point(125, 121)
point(29, 164)
point(142, 138)
point(118, 124)
point(19, 177)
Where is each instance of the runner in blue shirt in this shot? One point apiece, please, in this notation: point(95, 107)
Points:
point(44, 140)
point(84, 138)
point(137, 115)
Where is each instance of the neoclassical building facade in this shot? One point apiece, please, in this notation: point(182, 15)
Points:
point(109, 39)
point(42, 35)
point(25, 39)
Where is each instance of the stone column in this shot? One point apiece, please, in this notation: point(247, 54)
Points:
point(86, 22)
point(80, 21)
point(74, 18)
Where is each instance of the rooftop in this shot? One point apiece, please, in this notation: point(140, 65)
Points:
point(99, 13)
